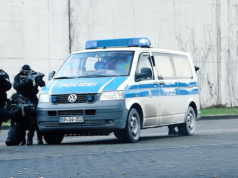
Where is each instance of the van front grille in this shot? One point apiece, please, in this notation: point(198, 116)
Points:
point(87, 112)
point(81, 98)
point(71, 113)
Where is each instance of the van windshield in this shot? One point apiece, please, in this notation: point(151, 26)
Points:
point(96, 64)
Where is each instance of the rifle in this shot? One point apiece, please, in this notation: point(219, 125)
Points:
point(22, 105)
point(32, 76)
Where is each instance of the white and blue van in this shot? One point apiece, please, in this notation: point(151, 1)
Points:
point(119, 86)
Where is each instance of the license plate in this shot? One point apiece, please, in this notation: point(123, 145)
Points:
point(78, 119)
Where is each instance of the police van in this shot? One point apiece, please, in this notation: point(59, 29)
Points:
point(119, 86)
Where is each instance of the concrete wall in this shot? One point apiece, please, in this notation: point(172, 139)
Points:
point(207, 29)
point(42, 33)
point(33, 32)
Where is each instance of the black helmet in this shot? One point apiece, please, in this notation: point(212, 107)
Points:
point(16, 97)
point(26, 67)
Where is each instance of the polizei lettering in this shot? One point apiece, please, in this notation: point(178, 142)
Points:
point(78, 85)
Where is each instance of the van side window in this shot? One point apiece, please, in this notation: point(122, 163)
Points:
point(144, 64)
point(164, 66)
point(182, 67)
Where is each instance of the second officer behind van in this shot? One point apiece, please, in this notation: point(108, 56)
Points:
point(26, 83)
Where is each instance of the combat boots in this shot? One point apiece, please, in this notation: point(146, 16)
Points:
point(29, 141)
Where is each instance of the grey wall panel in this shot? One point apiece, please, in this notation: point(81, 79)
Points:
point(43, 33)
point(34, 33)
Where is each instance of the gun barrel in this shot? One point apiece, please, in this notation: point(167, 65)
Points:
point(22, 110)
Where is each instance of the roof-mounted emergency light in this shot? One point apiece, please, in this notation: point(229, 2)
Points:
point(123, 42)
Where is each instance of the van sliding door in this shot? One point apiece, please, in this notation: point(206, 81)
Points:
point(169, 95)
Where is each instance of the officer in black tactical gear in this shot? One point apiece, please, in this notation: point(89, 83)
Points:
point(23, 116)
point(26, 83)
point(5, 85)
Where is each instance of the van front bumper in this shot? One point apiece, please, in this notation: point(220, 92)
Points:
point(109, 116)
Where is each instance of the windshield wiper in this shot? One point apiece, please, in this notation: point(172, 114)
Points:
point(63, 77)
point(92, 76)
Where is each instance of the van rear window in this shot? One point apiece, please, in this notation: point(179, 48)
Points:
point(182, 67)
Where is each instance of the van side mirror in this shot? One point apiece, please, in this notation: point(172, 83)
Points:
point(196, 68)
point(51, 75)
point(145, 72)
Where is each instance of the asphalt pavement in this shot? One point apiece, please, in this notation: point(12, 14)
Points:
point(211, 152)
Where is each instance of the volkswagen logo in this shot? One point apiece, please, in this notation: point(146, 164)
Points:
point(72, 98)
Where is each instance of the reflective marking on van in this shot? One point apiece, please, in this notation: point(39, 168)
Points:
point(169, 91)
point(131, 95)
point(189, 91)
point(78, 85)
point(155, 92)
point(168, 84)
point(171, 85)
point(114, 84)
point(101, 89)
point(187, 84)
point(144, 94)
point(50, 92)
point(47, 87)
point(131, 87)
point(82, 85)
point(146, 86)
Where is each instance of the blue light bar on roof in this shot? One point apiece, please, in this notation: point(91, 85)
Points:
point(123, 42)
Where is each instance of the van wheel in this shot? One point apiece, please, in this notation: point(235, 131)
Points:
point(131, 133)
point(188, 128)
point(53, 138)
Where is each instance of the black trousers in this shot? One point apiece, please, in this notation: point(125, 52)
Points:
point(172, 126)
point(32, 129)
point(33, 125)
point(4, 115)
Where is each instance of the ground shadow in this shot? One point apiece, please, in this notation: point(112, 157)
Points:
point(111, 141)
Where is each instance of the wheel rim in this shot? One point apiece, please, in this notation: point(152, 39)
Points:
point(190, 120)
point(134, 126)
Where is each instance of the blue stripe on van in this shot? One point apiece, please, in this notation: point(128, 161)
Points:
point(114, 84)
point(144, 94)
point(168, 89)
point(187, 84)
point(47, 87)
point(155, 92)
point(169, 84)
point(146, 86)
point(131, 95)
point(82, 85)
point(188, 91)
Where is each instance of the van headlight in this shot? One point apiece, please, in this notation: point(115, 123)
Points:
point(44, 98)
point(112, 95)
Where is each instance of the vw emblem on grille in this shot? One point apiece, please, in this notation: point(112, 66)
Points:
point(72, 98)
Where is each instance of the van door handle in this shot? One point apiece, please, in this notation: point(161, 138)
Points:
point(162, 84)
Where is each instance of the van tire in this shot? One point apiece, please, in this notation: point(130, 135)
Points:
point(53, 138)
point(131, 133)
point(189, 126)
